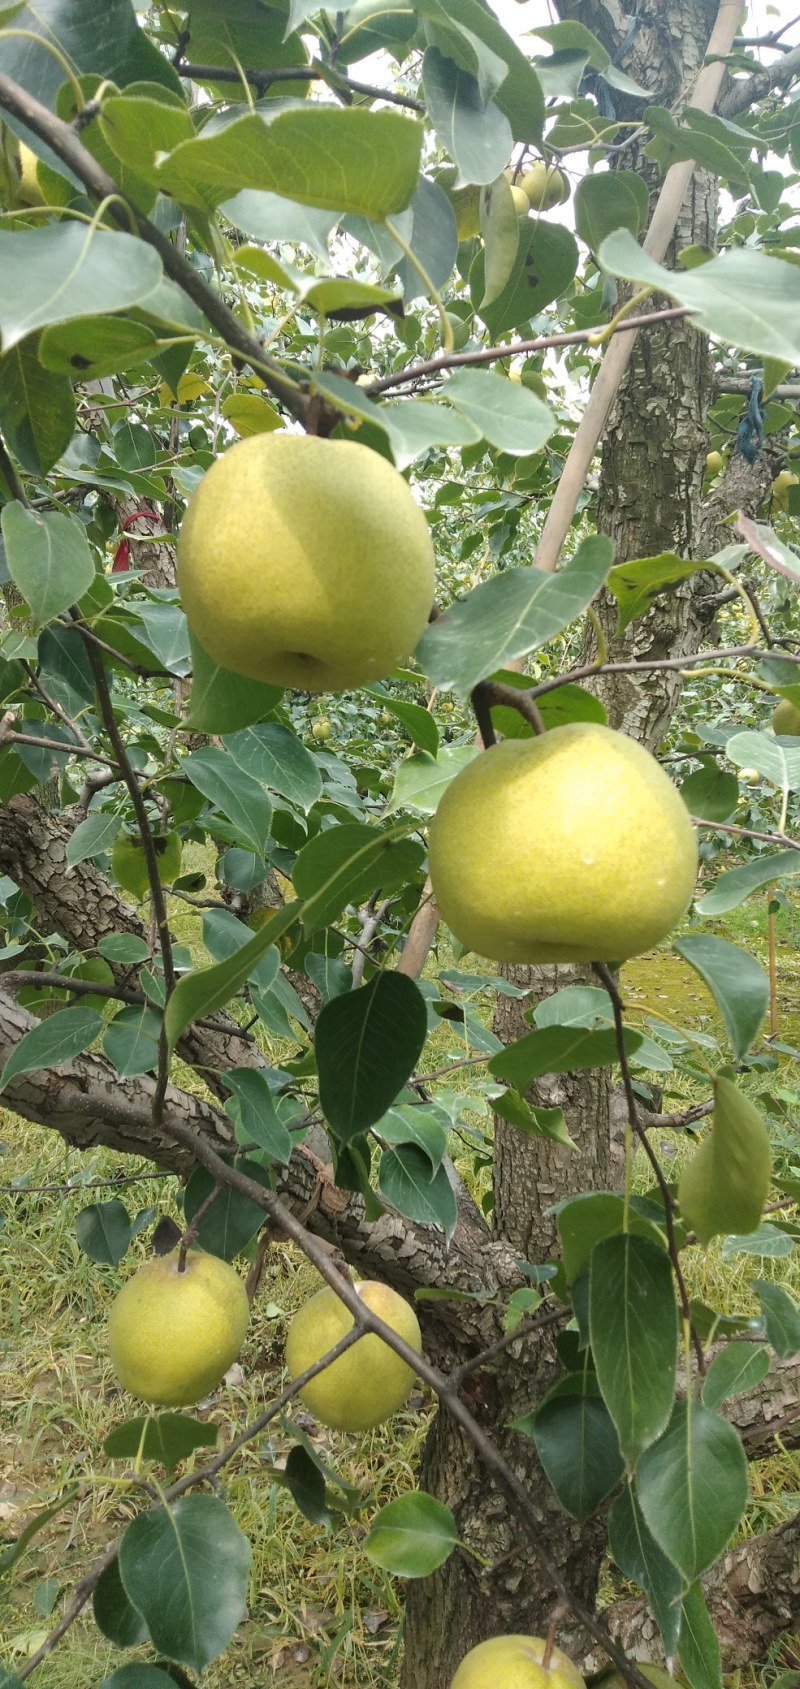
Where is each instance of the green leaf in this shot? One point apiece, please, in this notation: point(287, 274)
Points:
point(633, 1324)
point(88, 348)
point(353, 160)
point(97, 35)
point(52, 1042)
point(576, 1443)
point(545, 264)
point(636, 584)
point(63, 270)
point(252, 1109)
point(769, 1242)
point(420, 780)
point(92, 836)
point(235, 794)
point(639, 1558)
point(775, 761)
point(583, 1220)
point(404, 1178)
point(37, 410)
point(367, 1044)
point(698, 1644)
point(781, 1316)
point(711, 793)
point(500, 235)
point(115, 1616)
point(411, 1123)
point(733, 887)
point(232, 1219)
point(104, 1231)
point(508, 415)
point(131, 1040)
point(737, 1367)
point(347, 863)
point(471, 128)
point(207, 989)
point(167, 1438)
point(692, 1487)
point(185, 1568)
point(604, 201)
point(743, 297)
point(270, 218)
point(138, 1677)
point(558, 1049)
point(413, 1536)
point(417, 721)
point(48, 558)
point(273, 756)
point(221, 702)
point(514, 613)
point(12, 1552)
point(306, 1485)
point(519, 94)
point(541, 1122)
point(138, 128)
point(123, 947)
point(726, 1183)
point(736, 981)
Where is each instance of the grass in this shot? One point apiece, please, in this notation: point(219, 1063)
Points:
point(319, 1612)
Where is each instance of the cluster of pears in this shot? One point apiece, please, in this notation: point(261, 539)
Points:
point(538, 187)
point(175, 1328)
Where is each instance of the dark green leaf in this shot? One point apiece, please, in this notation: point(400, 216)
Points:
point(418, 722)
point(366, 1046)
point(404, 1178)
point(207, 989)
point(421, 779)
point(737, 1367)
point(698, 1644)
point(412, 1536)
point(138, 1677)
point(692, 1487)
point(346, 864)
point(97, 35)
point(37, 409)
point(604, 202)
point(558, 1049)
point(583, 1220)
point(633, 1322)
point(711, 793)
point(131, 1040)
point(103, 1231)
point(53, 1042)
point(185, 1568)
point(235, 794)
point(576, 1443)
point(545, 264)
point(48, 558)
point(306, 1484)
point(88, 348)
point(639, 1558)
point(123, 947)
point(273, 756)
point(252, 1109)
point(781, 1316)
point(232, 1219)
point(542, 1122)
point(115, 1616)
point(636, 584)
point(91, 837)
point(736, 981)
point(167, 1438)
point(510, 615)
point(224, 934)
point(221, 702)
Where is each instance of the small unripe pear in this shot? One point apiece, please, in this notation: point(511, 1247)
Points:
point(786, 719)
point(544, 185)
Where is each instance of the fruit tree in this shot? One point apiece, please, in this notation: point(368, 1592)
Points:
point(400, 524)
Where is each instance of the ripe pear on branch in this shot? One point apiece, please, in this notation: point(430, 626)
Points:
point(305, 562)
point(369, 1382)
point(570, 847)
point(173, 1334)
point(517, 1662)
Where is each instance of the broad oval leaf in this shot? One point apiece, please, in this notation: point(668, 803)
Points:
point(273, 756)
point(166, 1437)
point(412, 1536)
point(48, 558)
point(692, 1487)
point(104, 1231)
point(633, 1323)
point(737, 1367)
point(66, 270)
point(232, 1218)
point(736, 980)
point(50, 1043)
point(405, 1180)
point(115, 1616)
point(726, 1183)
point(576, 1443)
point(345, 864)
point(235, 794)
point(367, 1044)
point(733, 887)
point(508, 415)
point(470, 127)
point(776, 761)
point(220, 701)
point(185, 1569)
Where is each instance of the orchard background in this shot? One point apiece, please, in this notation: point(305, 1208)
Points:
point(239, 218)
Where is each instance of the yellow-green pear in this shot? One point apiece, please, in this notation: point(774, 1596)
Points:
point(305, 562)
point(544, 185)
point(714, 463)
point(515, 1662)
point(522, 203)
point(369, 1382)
point(29, 191)
point(174, 1334)
point(570, 847)
point(780, 488)
point(786, 719)
point(750, 776)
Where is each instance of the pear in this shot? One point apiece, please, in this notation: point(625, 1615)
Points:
point(786, 719)
point(544, 185)
point(369, 1382)
point(174, 1334)
point(305, 562)
point(515, 1662)
point(570, 847)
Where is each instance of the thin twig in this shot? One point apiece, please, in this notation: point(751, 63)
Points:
point(263, 79)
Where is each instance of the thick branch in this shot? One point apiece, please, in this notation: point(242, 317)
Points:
point(747, 90)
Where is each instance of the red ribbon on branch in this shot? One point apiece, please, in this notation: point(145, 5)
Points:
point(122, 554)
